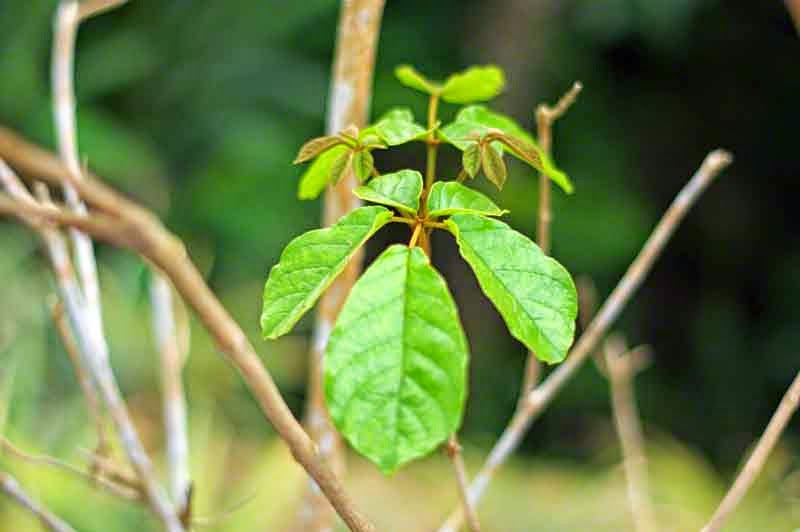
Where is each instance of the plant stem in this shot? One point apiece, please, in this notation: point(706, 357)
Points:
point(755, 463)
point(453, 450)
point(50, 521)
point(415, 235)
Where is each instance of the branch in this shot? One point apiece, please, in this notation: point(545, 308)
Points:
point(453, 450)
point(545, 117)
point(622, 366)
point(50, 521)
point(175, 426)
point(756, 462)
point(540, 397)
point(139, 230)
point(349, 98)
point(794, 10)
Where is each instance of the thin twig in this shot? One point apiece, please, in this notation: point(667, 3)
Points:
point(540, 397)
point(622, 366)
point(49, 520)
point(545, 117)
point(453, 449)
point(174, 402)
point(755, 463)
point(794, 10)
point(138, 229)
point(123, 492)
point(348, 104)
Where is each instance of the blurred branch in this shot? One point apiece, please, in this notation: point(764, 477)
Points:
point(125, 223)
point(540, 397)
point(794, 10)
point(622, 366)
point(545, 117)
point(174, 402)
point(755, 463)
point(50, 521)
point(453, 450)
point(348, 104)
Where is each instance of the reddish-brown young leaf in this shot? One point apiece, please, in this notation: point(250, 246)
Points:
point(316, 147)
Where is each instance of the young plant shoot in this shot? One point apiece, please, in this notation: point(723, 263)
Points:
point(396, 361)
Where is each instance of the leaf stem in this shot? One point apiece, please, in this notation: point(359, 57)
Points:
point(415, 235)
point(400, 219)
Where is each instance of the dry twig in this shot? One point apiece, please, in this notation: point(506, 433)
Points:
point(453, 450)
point(541, 396)
point(50, 521)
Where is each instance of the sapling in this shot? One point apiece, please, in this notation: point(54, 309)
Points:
point(396, 361)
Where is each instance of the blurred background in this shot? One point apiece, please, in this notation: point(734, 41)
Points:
point(196, 108)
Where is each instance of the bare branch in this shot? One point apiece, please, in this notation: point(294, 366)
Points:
point(755, 463)
point(540, 397)
point(91, 8)
point(142, 232)
point(453, 449)
point(794, 10)
point(174, 401)
point(622, 366)
point(50, 521)
point(348, 104)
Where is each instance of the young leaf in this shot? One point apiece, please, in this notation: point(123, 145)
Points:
point(409, 77)
point(315, 147)
point(316, 178)
point(363, 164)
point(400, 190)
point(451, 197)
point(398, 127)
point(396, 361)
point(493, 166)
point(479, 120)
point(310, 263)
point(471, 159)
point(476, 84)
point(341, 166)
point(534, 293)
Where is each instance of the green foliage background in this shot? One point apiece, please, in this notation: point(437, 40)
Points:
point(197, 109)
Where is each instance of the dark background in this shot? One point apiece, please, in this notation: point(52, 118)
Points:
point(197, 108)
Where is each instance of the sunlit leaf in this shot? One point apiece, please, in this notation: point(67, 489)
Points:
point(533, 292)
point(341, 166)
point(310, 263)
point(398, 127)
point(409, 77)
point(363, 164)
point(475, 84)
point(316, 177)
point(399, 189)
point(451, 197)
point(315, 147)
point(395, 366)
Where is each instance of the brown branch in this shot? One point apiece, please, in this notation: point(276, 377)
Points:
point(755, 463)
point(540, 397)
point(139, 230)
point(348, 104)
point(453, 450)
point(794, 10)
point(49, 520)
point(622, 366)
point(545, 117)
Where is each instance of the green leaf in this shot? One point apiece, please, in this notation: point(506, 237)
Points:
point(400, 190)
point(493, 166)
point(410, 77)
point(533, 292)
point(476, 84)
point(398, 127)
point(315, 147)
point(363, 164)
point(341, 167)
point(479, 120)
point(310, 263)
point(471, 159)
point(396, 362)
point(451, 197)
point(316, 178)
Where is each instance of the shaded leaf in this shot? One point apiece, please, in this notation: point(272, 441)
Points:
point(398, 127)
point(315, 147)
point(363, 163)
point(451, 197)
point(408, 76)
point(533, 292)
point(310, 263)
point(471, 159)
point(475, 84)
point(396, 361)
point(399, 189)
point(493, 166)
point(318, 175)
point(341, 167)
